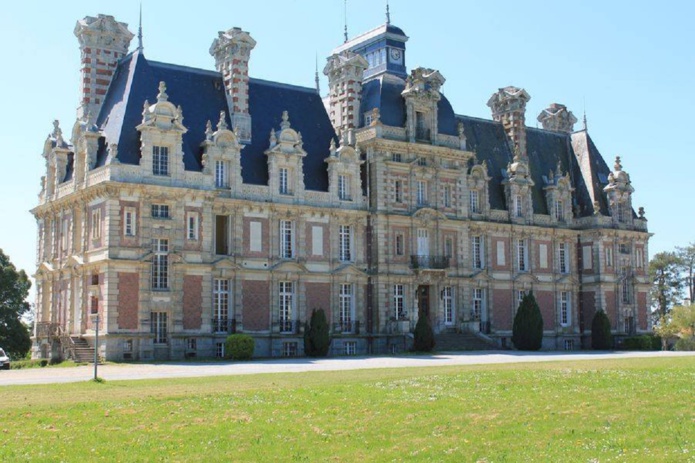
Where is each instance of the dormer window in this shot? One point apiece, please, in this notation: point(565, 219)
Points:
point(474, 202)
point(284, 181)
point(422, 132)
point(397, 157)
point(559, 215)
point(344, 188)
point(518, 206)
point(160, 160)
point(422, 162)
point(221, 174)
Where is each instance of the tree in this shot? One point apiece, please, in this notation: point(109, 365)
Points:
point(667, 285)
point(601, 338)
point(527, 332)
point(424, 335)
point(687, 256)
point(317, 338)
point(14, 289)
point(680, 323)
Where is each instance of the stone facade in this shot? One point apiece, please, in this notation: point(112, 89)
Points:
point(383, 207)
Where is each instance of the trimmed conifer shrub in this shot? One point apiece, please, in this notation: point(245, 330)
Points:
point(601, 338)
point(527, 332)
point(239, 347)
point(423, 336)
point(317, 340)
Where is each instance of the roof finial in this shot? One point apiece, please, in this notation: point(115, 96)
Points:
point(316, 74)
point(388, 14)
point(584, 120)
point(140, 30)
point(345, 20)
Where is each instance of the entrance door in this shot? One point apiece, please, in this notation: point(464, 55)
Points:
point(423, 242)
point(423, 301)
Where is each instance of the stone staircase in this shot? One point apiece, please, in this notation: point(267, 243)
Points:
point(84, 353)
point(451, 341)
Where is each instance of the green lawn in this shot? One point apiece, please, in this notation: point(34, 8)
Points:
point(609, 410)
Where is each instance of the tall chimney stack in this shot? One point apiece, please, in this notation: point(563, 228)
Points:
point(508, 106)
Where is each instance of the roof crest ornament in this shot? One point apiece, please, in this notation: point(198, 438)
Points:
point(345, 21)
point(208, 130)
point(285, 124)
point(162, 95)
point(316, 73)
point(222, 123)
point(140, 47)
point(388, 14)
point(618, 166)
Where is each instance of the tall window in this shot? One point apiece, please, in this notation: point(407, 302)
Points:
point(477, 244)
point(449, 247)
point(160, 264)
point(96, 224)
point(478, 299)
point(622, 212)
point(221, 176)
point(398, 302)
point(346, 307)
point(192, 226)
point(609, 256)
point(448, 302)
point(129, 225)
point(564, 308)
point(421, 192)
point(284, 181)
point(158, 327)
point(220, 305)
point(421, 131)
point(400, 246)
point(518, 206)
point(563, 256)
point(398, 191)
point(522, 256)
point(160, 160)
point(344, 188)
point(626, 293)
point(474, 201)
point(286, 305)
point(286, 239)
point(447, 196)
point(559, 213)
point(520, 296)
point(345, 235)
point(397, 157)
point(160, 211)
point(222, 235)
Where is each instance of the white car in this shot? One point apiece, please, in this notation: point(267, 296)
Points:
point(4, 360)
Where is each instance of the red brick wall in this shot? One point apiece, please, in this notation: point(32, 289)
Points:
point(192, 302)
point(318, 296)
point(256, 304)
point(642, 310)
point(546, 302)
point(501, 309)
point(589, 307)
point(128, 300)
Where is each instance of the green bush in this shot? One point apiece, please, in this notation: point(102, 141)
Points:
point(317, 340)
point(685, 344)
point(643, 342)
point(424, 335)
point(239, 347)
point(24, 364)
point(527, 332)
point(601, 338)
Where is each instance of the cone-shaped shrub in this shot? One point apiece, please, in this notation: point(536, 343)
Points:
point(601, 338)
point(317, 338)
point(527, 332)
point(424, 336)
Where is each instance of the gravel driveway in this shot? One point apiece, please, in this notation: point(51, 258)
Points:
point(131, 371)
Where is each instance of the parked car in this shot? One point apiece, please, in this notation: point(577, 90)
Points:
point(4, 360)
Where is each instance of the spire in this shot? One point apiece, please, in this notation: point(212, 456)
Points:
point(316, 74)
point(388, 14)
point(584, 120)
point(140, 30)
point(345, 20)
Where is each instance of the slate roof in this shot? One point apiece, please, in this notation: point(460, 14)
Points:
point(201, 95)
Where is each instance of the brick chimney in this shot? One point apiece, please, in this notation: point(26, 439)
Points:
point(103, 43)
point(508, 106)
point(557, 118)
point(232, 51)
point(344, 71)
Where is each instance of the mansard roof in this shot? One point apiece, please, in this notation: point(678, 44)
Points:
point(201, 95)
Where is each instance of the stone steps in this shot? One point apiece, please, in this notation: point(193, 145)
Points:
point(84, 353)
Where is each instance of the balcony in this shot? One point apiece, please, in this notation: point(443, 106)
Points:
point(429, 262)
point(288, 326)
point(347, 327)
point(224, 325)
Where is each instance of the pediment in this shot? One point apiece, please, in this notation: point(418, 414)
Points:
point(290, 267)
point(567, 279)
point(480, 275)
point(428, 214)
point(525, 278)
point(225, 263)
point(349, 269)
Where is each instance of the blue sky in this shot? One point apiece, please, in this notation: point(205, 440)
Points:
point(630, 64)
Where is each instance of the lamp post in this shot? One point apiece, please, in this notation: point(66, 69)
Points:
point(96, 347)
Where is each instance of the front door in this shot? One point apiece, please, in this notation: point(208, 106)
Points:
point(423, 301)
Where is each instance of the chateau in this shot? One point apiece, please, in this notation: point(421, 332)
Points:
point(187, 204)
